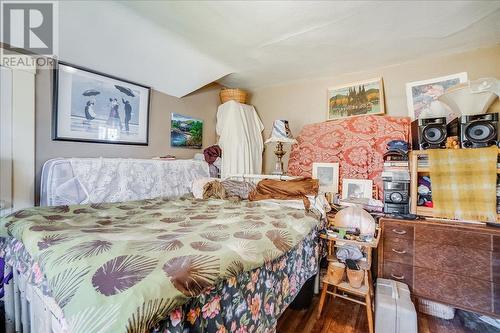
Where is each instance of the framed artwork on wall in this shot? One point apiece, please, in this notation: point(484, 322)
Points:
point(357, 188)
point(421, 96)
point(89, 106)
point(356, 99)
point(186, 132)
point(328, 176)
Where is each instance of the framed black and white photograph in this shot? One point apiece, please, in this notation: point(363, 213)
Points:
point(357, 189)
point(95, 107)
point(328, 176)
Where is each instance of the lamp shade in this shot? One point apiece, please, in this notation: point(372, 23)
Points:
point(472, 98)
point(281, 132)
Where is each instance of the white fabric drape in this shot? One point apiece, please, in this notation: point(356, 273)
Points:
point(95, 180)
point(240, 131)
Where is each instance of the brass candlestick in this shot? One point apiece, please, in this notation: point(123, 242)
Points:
point(279, 152)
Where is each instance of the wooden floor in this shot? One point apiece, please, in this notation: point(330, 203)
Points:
point(340, 316)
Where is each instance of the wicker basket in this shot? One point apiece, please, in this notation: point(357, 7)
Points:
point(336, 272)
point(355, 277)
point(436, 309)
point(238, 95)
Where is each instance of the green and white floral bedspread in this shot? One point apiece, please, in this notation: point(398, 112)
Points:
point(122, 267)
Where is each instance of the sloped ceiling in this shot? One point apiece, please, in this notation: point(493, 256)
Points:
point(179, 46)
point(111, 38)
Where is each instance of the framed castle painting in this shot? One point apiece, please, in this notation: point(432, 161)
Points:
point(356, 99)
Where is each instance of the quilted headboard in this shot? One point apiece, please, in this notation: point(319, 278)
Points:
point(357, 144)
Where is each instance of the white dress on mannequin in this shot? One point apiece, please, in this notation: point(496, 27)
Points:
point(240, 131)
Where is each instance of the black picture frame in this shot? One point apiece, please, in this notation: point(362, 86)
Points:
point(56, 135)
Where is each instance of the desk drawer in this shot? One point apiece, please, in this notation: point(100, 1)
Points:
point(450, 236)
point(399, 272)
point(398, 250)
point(454, 259)
point(456, 290)
point(399, 230)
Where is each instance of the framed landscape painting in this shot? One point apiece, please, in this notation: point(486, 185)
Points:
point(356, 99)
point(186, 132)
point(422, 96)
point(95, 107)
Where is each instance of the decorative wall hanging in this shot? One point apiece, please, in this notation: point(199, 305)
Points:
point(356, 99)
point(422, 96)
point(94, 107)
point(186, 132)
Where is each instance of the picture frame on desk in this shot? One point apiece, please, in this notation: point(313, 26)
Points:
point(328, 176)
point(357, 188)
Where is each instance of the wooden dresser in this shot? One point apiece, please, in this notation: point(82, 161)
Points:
point(449, 262)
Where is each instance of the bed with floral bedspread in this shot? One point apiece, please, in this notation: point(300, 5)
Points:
point(165, 265)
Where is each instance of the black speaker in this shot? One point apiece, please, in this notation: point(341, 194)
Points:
point(479, 130)
point(429, 133)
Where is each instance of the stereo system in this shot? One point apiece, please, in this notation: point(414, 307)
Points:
point(473, 131)
point(396, 192)
point(479, 130)
point(430, 133)
point(396, 197)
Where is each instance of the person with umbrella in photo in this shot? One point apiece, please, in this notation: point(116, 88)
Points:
point(126, 105)
point(114, 116)
point(89, 106)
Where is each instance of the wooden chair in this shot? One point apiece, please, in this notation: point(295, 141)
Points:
point(364, 294)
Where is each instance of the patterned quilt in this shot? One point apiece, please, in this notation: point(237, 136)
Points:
point(357, 144)
point(123, 267)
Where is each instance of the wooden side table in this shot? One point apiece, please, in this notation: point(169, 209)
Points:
point(365, 291)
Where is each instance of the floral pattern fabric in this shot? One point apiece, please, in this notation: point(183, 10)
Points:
point(357, 144)
point(252, 301)
point(130, 264)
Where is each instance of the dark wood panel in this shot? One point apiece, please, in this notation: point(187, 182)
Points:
point(495, 266)
point(453, 259)
point(398, 250)
point(448, 225)
point(496, 298)
point(450, 236)
point(399, 230)
point(398, 272)
point(496, 243)
point(461, 291)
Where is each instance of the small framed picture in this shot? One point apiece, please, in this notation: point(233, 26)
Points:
point(356, 99)
point(357, 189)
point(186, 132)
point(328, 176)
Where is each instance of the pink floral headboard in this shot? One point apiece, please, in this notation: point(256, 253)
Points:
point(357, 144)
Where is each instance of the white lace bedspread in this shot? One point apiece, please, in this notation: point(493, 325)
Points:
point(116, 179)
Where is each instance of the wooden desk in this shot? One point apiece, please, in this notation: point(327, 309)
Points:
point(454, 263)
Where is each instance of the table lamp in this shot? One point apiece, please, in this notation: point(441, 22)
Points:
point(280, 134)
